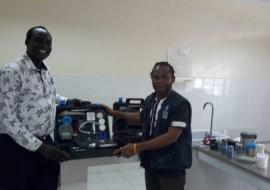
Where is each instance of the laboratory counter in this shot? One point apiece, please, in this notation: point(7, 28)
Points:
point(246, 171)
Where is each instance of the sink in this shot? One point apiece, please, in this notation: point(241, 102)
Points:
point(198, 135)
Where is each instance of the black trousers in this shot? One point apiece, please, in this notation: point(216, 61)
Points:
point(155, 181)
point(21, 169)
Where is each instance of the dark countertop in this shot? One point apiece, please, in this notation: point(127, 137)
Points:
point(245, 166)
point(91, 153)
point(84, 151)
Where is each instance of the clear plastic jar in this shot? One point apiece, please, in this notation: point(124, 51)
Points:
point(251, 149)
point(247, 138)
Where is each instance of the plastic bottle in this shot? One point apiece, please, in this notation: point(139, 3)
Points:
point(66, 130)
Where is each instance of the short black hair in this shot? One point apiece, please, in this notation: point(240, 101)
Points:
point(164, 63)
point(30, 32)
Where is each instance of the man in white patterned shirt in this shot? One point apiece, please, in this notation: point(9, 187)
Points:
point(28, 159)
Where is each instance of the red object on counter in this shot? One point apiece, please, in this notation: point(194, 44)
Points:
point(207, 140)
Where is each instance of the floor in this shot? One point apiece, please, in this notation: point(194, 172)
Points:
point(127, 176)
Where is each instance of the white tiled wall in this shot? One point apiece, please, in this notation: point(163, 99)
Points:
point(239, 104)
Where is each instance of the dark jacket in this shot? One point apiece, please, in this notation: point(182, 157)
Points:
point(176, 156)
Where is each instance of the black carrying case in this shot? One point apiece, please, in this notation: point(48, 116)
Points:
point(83, 131)
point(124, 131)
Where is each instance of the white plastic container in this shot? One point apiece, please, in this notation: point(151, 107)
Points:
point(262, 160)
point(260, 148)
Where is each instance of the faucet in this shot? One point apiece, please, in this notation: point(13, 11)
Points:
point(212, 115)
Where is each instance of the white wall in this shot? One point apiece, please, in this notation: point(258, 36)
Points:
point(125, 37)
point(104, 49)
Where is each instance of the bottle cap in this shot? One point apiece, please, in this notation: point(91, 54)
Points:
point(62, 103)
point(248, 135)
point(67, 120)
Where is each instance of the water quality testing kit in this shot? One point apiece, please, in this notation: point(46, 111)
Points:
point(84, 131)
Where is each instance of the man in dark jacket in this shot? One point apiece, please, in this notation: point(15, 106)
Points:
point(166, 115)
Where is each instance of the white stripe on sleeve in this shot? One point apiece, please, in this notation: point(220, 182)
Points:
point(179, 124)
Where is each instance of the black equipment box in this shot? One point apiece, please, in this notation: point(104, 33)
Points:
point(83, 131)
point(124, 131)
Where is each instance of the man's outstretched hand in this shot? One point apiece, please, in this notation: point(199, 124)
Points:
point(125, 151)
point(108, 110)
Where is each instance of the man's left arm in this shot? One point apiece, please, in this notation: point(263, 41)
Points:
point(178, 122)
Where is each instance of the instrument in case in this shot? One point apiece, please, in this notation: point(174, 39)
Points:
point(124, 131)
point(83, 131)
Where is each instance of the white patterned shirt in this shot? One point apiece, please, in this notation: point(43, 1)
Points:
point(27, 102)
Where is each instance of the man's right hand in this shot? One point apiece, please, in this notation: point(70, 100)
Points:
point(52, 153)
point(108, 109)
point(130, 116)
